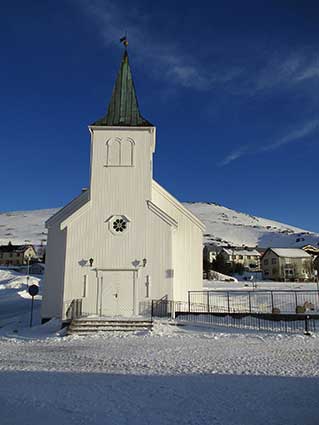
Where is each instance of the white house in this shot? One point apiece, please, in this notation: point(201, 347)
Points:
point(125, 240)
point(287, 264)
point(249, 258)
point(17, 255)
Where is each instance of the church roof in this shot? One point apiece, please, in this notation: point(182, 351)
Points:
point(123, 108)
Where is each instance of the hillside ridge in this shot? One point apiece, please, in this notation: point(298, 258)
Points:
point(224, 226)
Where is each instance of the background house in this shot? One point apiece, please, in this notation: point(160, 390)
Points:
point(210, 252)
point(316, 265)
point(247, 257)
point(16, 255)
point(287, 264)
point(312, 250)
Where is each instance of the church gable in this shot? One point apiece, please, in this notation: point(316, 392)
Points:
point(70, 209)
point(162, 198)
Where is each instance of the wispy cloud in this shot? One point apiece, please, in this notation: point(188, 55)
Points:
point(165, 59)
point(235, 154)
point(287, 70)
point(297, 134)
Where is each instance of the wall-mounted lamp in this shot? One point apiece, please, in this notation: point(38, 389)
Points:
point(91, 262)
point(144, 262)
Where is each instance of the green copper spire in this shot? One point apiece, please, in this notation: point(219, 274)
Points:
point(123, 108)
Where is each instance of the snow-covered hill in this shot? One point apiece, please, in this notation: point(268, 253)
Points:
point(24, 226)
point(223, 226)
point(226, 226)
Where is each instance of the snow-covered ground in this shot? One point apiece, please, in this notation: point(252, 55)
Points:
point(259, 286)
point(223, 226)
point(14, 298)
point(173, 375)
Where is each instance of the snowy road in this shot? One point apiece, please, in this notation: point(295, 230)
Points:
point(173, 376)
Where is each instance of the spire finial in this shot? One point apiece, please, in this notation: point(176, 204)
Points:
point(124, 40)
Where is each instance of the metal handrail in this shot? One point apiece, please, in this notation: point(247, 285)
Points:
point(74, 309)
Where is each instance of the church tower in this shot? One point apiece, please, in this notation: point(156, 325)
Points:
point(123, 143)
point(122, 147)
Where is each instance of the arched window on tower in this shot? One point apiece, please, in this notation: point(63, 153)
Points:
point(120, 152)
point(127, 151)
point(113, 147)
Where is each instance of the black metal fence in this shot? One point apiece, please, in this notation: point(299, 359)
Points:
point(248, 318)
point(291, 323)
point(261, 301)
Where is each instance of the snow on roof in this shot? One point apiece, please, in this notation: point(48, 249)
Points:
point(290, 252)
point(243, 251)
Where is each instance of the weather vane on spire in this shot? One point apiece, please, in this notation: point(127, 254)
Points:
point(124, 40)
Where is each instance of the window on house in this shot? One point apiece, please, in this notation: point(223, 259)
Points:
point(274, 261)
point(248, 257)
point(241, 257)
point(266, 262)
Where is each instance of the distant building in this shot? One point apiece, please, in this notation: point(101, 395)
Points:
point(316, 265)
point(312, 250)
point(248, 257)
point(287, 264)
point(16, 255)
point(210, 252)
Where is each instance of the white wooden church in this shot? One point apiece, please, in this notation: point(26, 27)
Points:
point(125, 240)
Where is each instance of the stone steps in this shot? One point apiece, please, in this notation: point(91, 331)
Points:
point(86, 326)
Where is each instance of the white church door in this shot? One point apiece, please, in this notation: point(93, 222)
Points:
point(117, 293)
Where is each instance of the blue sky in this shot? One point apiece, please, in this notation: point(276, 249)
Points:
point(231, 86)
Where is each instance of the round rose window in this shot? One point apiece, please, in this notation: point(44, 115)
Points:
point(119, 225)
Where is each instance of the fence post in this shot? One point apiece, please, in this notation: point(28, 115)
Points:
point(189, 301)
point(249, 300)
point(296, 301)
point(208, 302)
point(272, 301)
point(306, 332)
point(228, 305)
point(173, 306)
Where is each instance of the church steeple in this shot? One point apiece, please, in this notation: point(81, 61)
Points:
point(123, 108)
